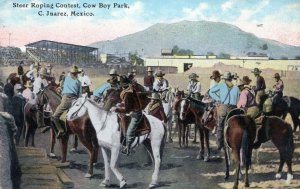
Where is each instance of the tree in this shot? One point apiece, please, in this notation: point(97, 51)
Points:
point(297, 57)
point(224, 55)
point(265, 46)
point(182, 52)
point(209, 53)
point(135, 59)
point(284, 58)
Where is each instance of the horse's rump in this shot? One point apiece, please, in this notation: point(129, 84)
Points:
point(142, 128)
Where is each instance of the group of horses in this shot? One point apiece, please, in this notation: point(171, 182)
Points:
point(96, 127)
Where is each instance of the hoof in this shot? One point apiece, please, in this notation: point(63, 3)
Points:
point(123, 183)
point(73, 149)
point(88, 175)
point(278, 176)
point(105, 183)
point(52, 155)
point(289, 178)
point(226, 176)
point(247, 184)
point(206, 159)
point(152, 186)
point(200, 157)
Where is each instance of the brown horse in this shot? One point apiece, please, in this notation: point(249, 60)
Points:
point(293, 105)
point(239, 137)
point(280, 133)
point(81, 127)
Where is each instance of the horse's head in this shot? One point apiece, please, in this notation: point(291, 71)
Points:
point(113, 95)
point(41, 99)
point(209, 117)
point(184, 108)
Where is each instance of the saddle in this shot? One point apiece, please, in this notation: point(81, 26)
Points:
point(142, 129)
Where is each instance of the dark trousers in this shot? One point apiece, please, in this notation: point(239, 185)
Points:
point(135, 120)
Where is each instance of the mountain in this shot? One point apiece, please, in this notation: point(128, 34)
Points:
point(198, 36)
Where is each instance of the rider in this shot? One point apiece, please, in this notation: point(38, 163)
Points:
point(149, 79)
point(71, 91)
point(112, 82)
point(227, 95)
point(235, 78)
point(21, 70)
point(40, 82)
point(215, 78)
point(34, 67)
point(85, 83)
point(155, 108)
point(160, 84)
point(130, 105)
point(247, 98)
point(260, 85)
point(27, 93)
point(194, 87)
point(131, 76)
point(278, 88)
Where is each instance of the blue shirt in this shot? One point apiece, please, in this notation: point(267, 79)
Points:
point(72, 87)
point(102, 89)
point(220, 93)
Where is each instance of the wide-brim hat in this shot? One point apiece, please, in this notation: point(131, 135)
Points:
point(124, 81)
point(215, 74)
point(149, 69)
point(193, 76)
point(276, 75)
point(159, 73)
point(227, 75)
point(28, 84)
point(256, 70)
point(43, 71)
point(74, 69)
point(154, 96)
point(113, 72)
point(235, 76)
point(245, 81)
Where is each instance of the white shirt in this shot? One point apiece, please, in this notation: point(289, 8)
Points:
point(85, 80)
point(160, 85)
point(194, 87)
point(37, 84)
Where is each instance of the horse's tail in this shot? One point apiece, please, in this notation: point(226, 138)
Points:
point(290, 147)
point(163, 142)
point(246, 155)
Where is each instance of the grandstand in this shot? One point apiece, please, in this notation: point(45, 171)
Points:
point(61, 53)
point(11, 56)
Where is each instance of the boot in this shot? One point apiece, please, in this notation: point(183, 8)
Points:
point(61, 131)
point(126, 149)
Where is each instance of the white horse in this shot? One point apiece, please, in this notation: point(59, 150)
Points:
point(108, 134)
point(168, 111)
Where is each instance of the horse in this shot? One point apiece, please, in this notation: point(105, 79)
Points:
point(239, 137)
point(293, 105)
point(85, 133)
point(167, 105)
point(109, 138)
point(197, 108)
point(281, 134)
point(279, 109)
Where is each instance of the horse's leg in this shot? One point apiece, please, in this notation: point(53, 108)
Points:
point(105, 182)
point(26, 134)
point(32, 132)
point(206, 135)
point(170, 128)
point(157, 160)
point(187, 136)
point(288, 159)
point(295, 120)
point(246, 170)
point(53, 140)
point(64, 147)
point(180, 125)
point(226, 150)
point(95, 144)
point(278, 174)
point(89, 146)
point(195, 134)
point(201, 138)
point(237, 173)
point(113, 166)
point(147, 144)
point(75, 143)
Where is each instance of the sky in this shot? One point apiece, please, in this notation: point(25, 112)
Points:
point(273, 19)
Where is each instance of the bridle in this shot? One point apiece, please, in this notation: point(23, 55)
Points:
point(208, 118)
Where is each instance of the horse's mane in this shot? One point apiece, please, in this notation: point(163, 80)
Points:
point(196, 103)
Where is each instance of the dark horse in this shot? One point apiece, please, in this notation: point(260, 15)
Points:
point(280, 133)
point(293, 105)
point(81, 127)
point(239, 135)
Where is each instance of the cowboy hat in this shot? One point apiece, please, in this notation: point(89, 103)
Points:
point(235, 76)
point(193, 76)
point(113, 72)
point(28, 84)
point(245, 81)
point(227, 75)
point(154, 96)
point(74, 69)
point(159, 73)
point(256, 71)
point(276, 75)
point(215, 74)
point(149, 69)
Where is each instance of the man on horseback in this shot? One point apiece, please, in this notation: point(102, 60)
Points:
point(130, 105)
point(40, 82)
point(71, 91)
point(247, 98)
point(227, 99)
point(278, 88)
point(155, 108)
point(215, 78)
point(149, 80)
point(161, 85)
point(112, 83)
point(260, 85)
point(85, 83)
point(194, 87)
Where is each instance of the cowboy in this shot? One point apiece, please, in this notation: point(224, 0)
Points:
point(155, 108)
point(27, 93)
point(21, 70)
point(215, 78)
point(130, 105)
point(194, 87)
point(235, 78)
point(71, 91)
point(85, 83)
point(34, 67)
point(160, 84)
point(131, 76)
point(260, 85)
point(112, 82)
point(149, 79)
point(247, 98)
point(278, 88)
point(227, 95)
point(40, 82)
point(49, 68)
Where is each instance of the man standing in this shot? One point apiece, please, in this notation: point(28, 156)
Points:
point(130, 105)
point(260, 85)
point(194, 87)
point(227, 98)
point(71, 91)
point(160, 84)
point(149, 79)
point(278, 88)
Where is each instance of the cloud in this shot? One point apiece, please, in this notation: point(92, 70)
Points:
point(135, 10)
point(228, 5)
point(246, 14)
point(195, 14)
